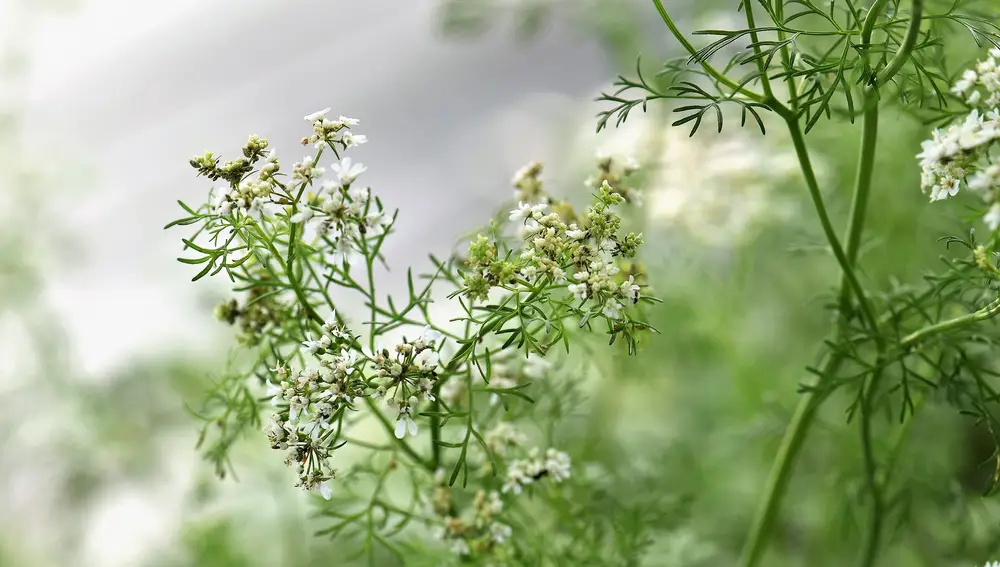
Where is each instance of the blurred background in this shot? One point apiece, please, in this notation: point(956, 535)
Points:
point(103, 340)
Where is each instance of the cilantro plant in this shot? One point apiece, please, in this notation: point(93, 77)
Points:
point(891, 350)
point(461, 458)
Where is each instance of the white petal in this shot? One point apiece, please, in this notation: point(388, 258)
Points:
point(400, 428)
point(326, 489)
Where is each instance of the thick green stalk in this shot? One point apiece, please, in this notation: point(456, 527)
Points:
point(777, 482)
point(866, 167)
point(805, 411)
point(862, 189)
point(905, 48)
point(856, 223)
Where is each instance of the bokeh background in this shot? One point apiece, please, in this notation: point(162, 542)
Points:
point(103, 340)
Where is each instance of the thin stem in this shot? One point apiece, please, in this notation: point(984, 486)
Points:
point(765, 82)
point(398, 442)
point(847, 266)
point(786, 60)
point(869, 26)
point(905, 48)
point(988, 312)
point(805, 411)
point(715, 74)
point(873, 535)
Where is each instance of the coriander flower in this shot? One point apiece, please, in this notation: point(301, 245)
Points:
point(345, 121)
point(352, 140)
point(302, 216)
point(318, 115)
point(325, 489)
point(404, 422)
point(499, 533)
point(274, 392)
point(347, 171)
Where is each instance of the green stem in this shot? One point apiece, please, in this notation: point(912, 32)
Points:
point(712, 71)
point(905, 48)
point(786, 59)
point(846, 265)
point(398, 442)
point(862, 189)
point(805, 411)
point(777, 481)
point(988, 312)
point(870, 19)
point(873, 535)
point(765, 82)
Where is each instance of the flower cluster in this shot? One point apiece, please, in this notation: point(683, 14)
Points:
point(554, 248)
point(407, 376)
point(311, 404)
point(961, 152)
point(260, 312)
point(614, 172)
point(983, 79)
point(251, 196)
point(554, 465)
point(528, 187)
point(502, 437)
point(478, 531)
point(345, 216)
point(328, 132)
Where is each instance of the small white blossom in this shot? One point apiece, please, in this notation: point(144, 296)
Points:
point(499, 533)
point(405, 423)
point(351, 140)
point(347, 171)
point(318, 115)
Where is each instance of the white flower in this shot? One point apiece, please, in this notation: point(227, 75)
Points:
point(992, 217)
point(576, 233)
point(345, 252)
point(325, 489)
point(345, 121)
point(405, 423)
point(612, 309)
point(298, 406)
point(351, 140)
point(579, 290)
point(427, 360)
point(318, 115)
point(499, 532)
point(523, 211)
point(427, 339)
point(460, 547)
point(347, 171)
point(274, 392)
point(260, 208)
point(317, 346)
point(303, 215)
point(426, 388)
point(630, 289)
point(557, 464)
